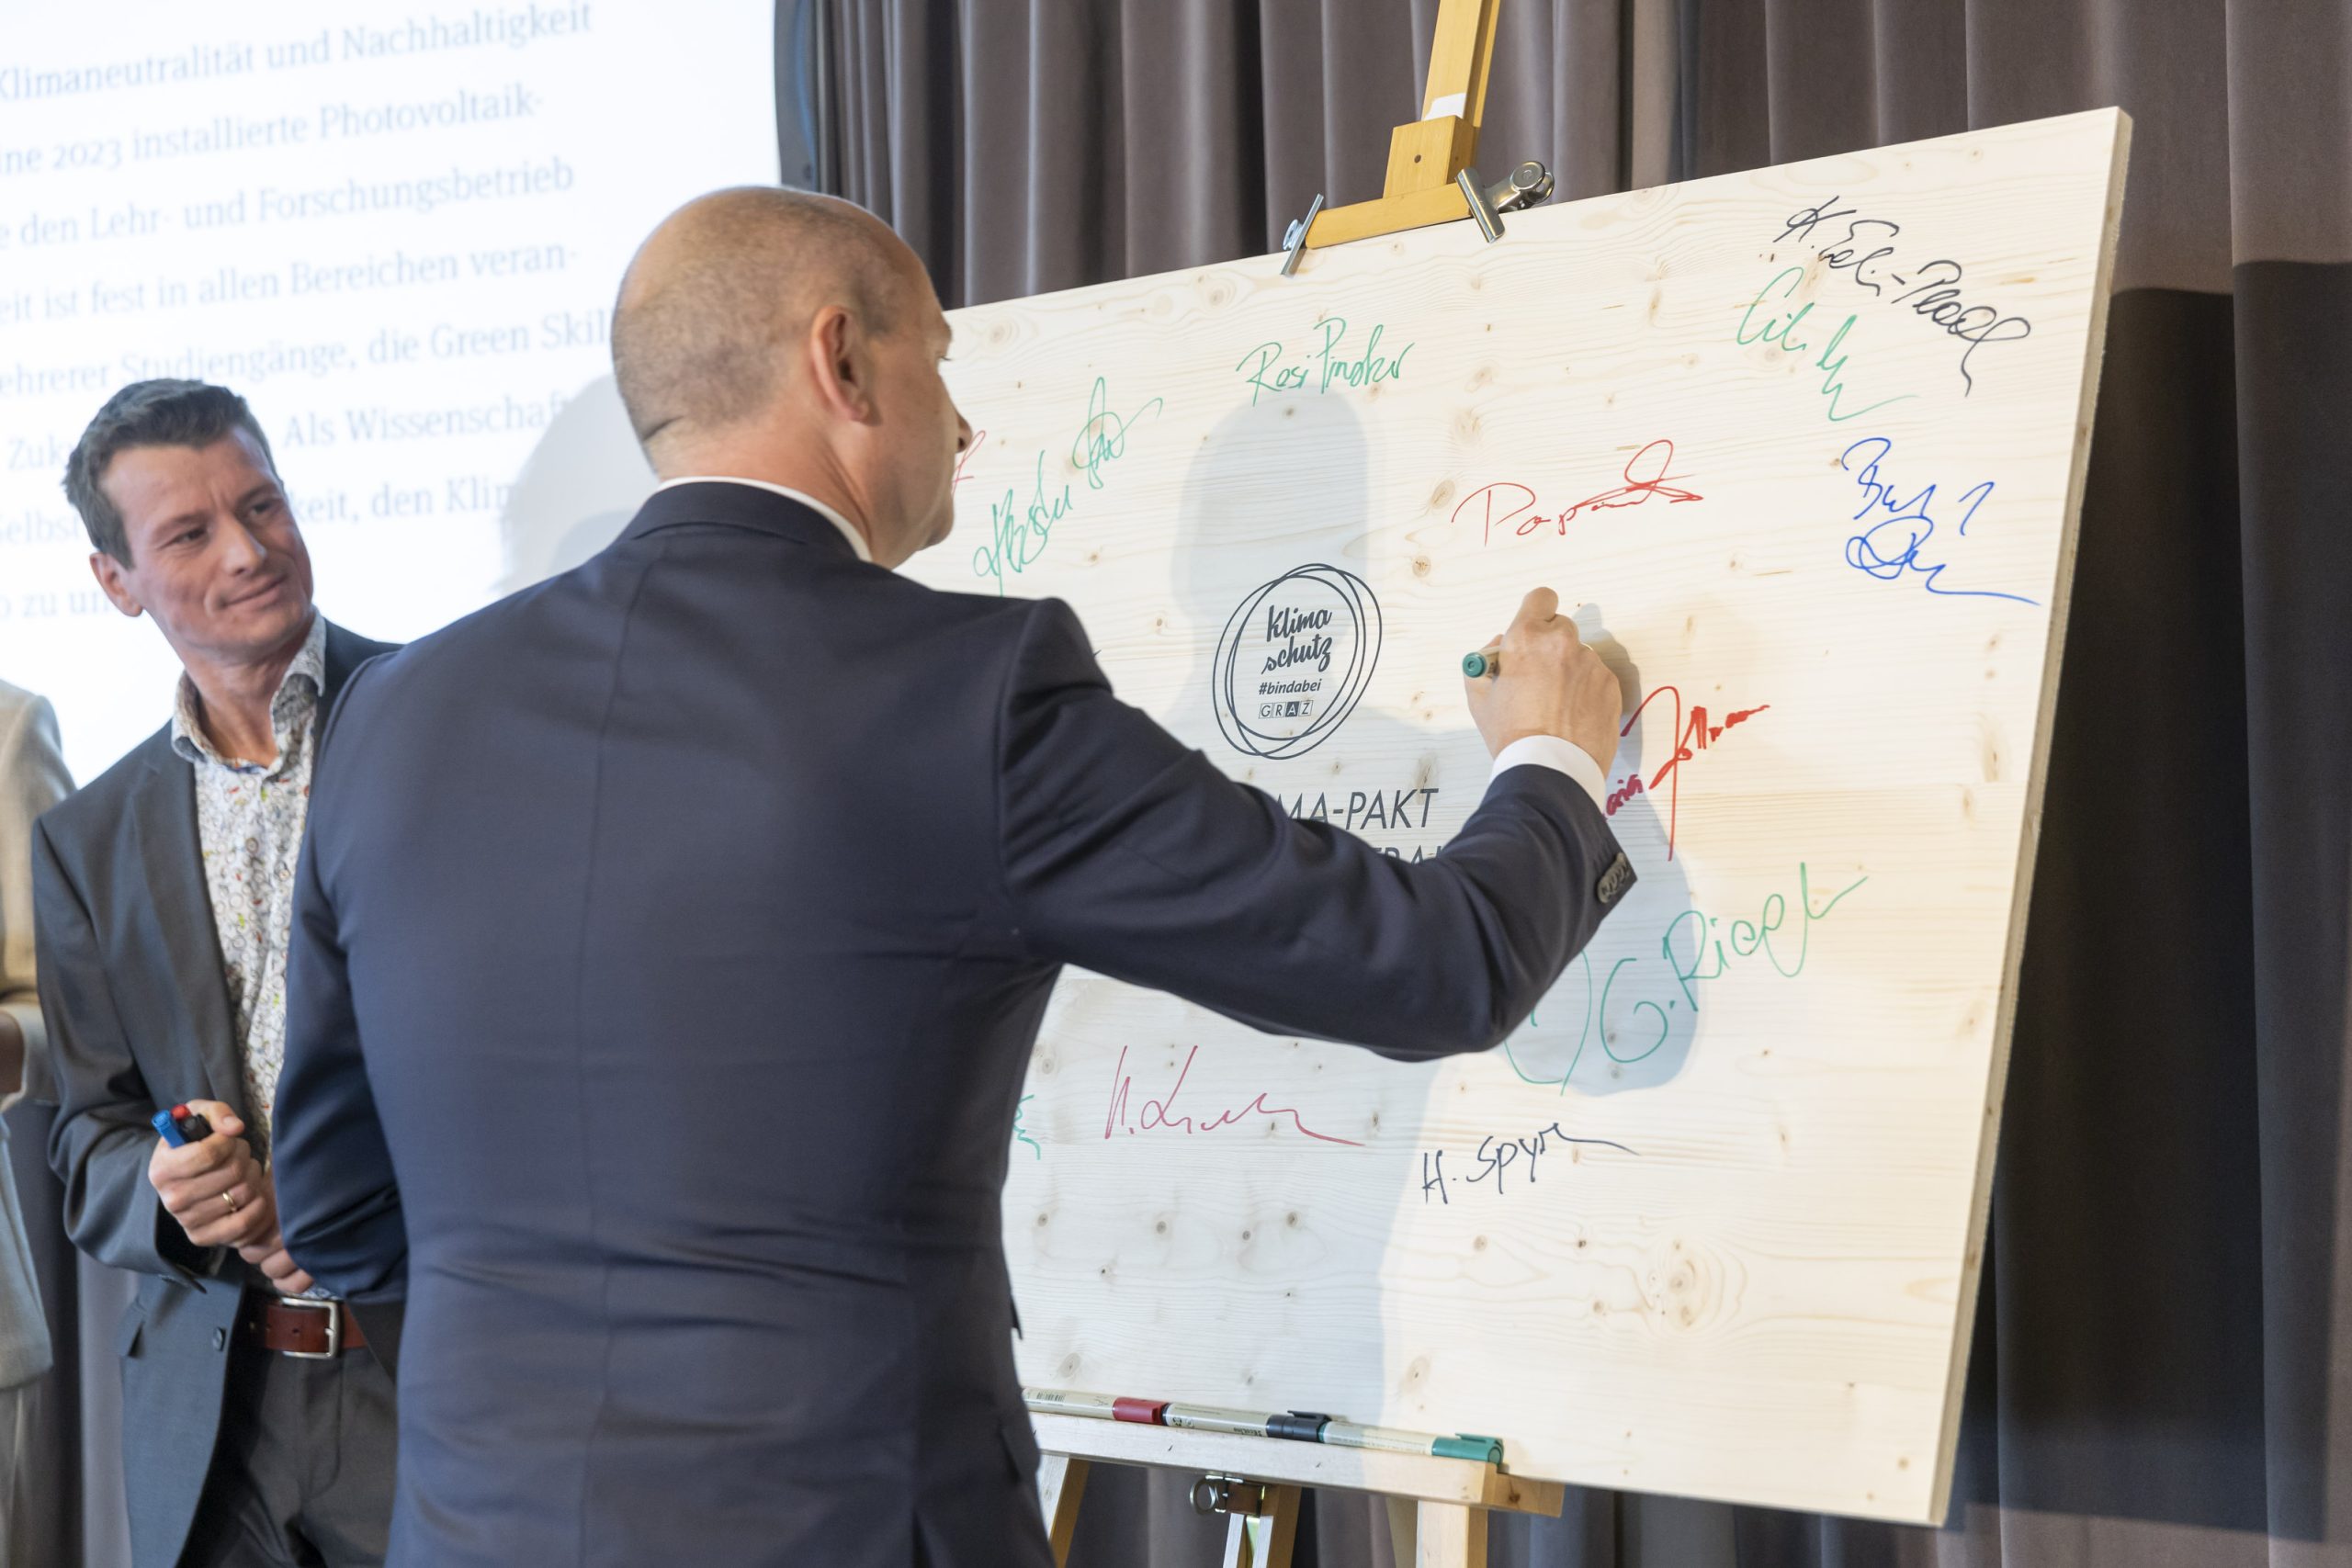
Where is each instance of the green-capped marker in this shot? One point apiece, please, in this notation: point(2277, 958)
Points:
point(1477, 664)
point(1486, 1451)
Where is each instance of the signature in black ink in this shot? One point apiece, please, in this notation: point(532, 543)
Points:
point(1930, 289)
point(1901, 526)
point(1496, 1155)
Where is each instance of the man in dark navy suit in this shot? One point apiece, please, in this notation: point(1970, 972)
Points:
point(671, 938)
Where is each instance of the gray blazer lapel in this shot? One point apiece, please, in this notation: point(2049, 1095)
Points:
point(168, 844)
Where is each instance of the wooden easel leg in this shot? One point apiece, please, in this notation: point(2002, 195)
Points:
point(1264, 1540)
point(1061, 1482)
point(1450, 1535)
point(1401, 1534)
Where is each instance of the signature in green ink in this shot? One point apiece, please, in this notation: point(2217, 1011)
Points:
point(1777, 332)
point(1748, 938)
point(1019, 532)
point(1102, 439)
point(1037, 1147)
point(1692, 930)
point(1264, 369)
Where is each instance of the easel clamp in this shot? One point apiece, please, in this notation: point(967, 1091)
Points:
point(1431, 175)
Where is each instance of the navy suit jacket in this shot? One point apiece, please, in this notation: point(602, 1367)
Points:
point(669, 944)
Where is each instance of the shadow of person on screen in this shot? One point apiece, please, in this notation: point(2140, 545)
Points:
point(576, 491)
point(1258, 562)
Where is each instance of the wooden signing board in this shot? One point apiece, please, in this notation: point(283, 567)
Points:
point(1807, 444)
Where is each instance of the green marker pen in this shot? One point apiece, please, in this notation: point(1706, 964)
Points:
point(1473, 665)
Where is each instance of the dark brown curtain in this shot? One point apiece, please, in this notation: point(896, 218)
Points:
point(2163, 1366)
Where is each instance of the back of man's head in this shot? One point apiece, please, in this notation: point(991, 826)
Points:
point(720, 294)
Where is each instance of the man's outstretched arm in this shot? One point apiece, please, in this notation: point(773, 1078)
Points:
point(1128, 853)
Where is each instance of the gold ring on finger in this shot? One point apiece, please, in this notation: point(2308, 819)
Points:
point(229, 1199)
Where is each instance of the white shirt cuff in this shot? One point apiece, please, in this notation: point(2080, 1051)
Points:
point(1552, 752)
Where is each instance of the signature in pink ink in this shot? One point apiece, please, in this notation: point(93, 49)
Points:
point(979, 438)
point(1690, 737)
point(1645, 477)
point(1161, 1115)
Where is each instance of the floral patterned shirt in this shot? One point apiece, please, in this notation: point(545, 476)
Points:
point(249, 821)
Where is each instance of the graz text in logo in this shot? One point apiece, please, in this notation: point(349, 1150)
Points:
point(1294, 660)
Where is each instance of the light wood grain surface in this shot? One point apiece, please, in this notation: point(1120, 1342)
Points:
point(1710, 1224)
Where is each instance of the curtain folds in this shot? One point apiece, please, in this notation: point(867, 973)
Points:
point(2162, 1364)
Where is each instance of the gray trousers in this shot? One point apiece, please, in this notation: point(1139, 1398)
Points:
point(302, 1474)
point(16, 1407)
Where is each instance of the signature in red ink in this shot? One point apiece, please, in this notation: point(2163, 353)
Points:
point(1690, 738)
point(1160, 1116)
point(1505, 499)
point(964, 462)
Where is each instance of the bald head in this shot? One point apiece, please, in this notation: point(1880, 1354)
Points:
point(716, 298)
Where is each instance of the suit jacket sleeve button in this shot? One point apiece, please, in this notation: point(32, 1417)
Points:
point(219, 1339)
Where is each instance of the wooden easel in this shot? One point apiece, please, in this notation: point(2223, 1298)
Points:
point(1437, 1507)
point(1427, 158)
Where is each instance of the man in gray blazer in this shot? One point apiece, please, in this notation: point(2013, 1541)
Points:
point(258, 1415)
point(32, 779)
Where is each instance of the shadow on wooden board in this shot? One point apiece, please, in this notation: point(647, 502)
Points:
point(1649, 961)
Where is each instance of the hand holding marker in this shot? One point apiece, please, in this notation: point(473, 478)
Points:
point(1557, 686)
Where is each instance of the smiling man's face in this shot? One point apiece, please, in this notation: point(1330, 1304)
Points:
point(215, 555)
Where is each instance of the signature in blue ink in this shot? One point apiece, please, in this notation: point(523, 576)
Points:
point(1038, 1148)
point(1102, 439)
point(1901, 526)
point(1018, 534)
point(1777, 332)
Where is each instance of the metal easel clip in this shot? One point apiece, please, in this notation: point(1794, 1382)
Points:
point(1228, 1495)
point(1482, 207)
point(1523, 186)
point(1294, 237)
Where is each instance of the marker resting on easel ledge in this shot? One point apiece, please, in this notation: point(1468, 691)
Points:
point(1490, 663)
point(1296, 1425)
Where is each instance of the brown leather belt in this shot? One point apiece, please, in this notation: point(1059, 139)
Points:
point(308, 1330)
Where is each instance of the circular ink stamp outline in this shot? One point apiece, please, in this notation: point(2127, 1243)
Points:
point(1356, 598)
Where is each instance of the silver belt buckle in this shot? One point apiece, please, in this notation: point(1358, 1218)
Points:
point(335, 1329)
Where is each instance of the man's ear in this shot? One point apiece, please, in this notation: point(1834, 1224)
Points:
point(112, 584)
point(841, 365)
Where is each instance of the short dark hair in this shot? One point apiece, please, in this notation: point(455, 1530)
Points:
point(149, 413)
